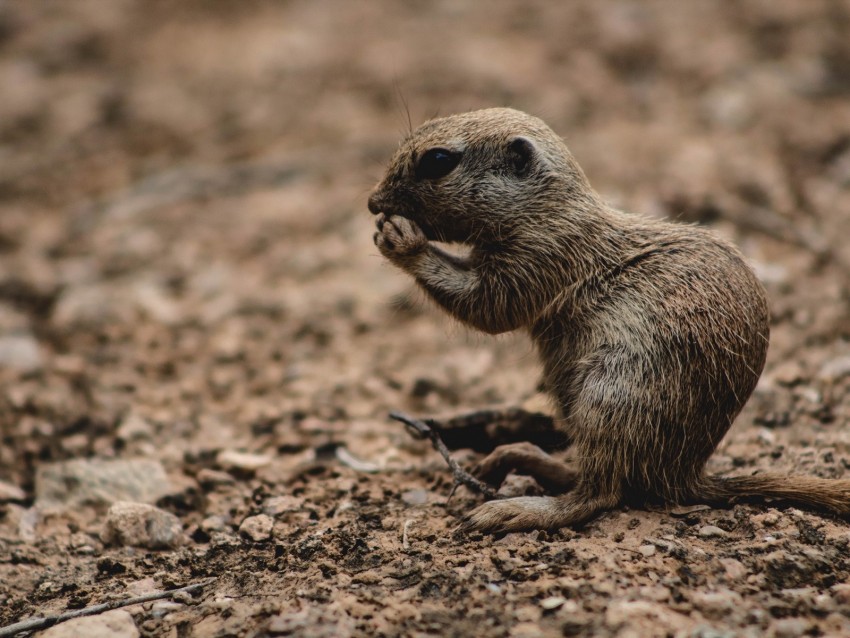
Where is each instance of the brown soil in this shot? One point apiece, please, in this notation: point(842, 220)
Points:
point(183, 235)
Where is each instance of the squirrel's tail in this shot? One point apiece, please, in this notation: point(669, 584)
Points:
point(809, 492)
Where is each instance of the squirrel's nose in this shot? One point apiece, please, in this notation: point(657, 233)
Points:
point(375, 203)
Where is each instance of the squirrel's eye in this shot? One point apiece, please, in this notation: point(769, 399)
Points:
point(436, 163)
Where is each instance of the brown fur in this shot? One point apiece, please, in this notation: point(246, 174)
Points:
point(652, 334)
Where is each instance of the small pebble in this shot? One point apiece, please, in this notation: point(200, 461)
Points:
point(415, 497)
point(66, 485)
point(647, 550)
point(9, 492)
point(213, 524)
point(712, 531)
point(258, 528)
point(552, 602)
point(117, 623)
point(244, 461)
point(716, 604)
point(142, 525)
point(791, 628)
point(20, 352)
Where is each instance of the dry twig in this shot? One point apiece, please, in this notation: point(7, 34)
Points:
point(422, 429)
point(34, 624)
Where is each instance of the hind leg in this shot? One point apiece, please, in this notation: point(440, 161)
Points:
point(528, 513)
point(554, 476)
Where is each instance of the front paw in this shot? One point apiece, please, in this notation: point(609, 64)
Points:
point(399, 238)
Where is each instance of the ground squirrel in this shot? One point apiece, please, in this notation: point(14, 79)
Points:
point(652, 334)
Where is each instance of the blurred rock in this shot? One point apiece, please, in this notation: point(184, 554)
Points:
point(647, 550)
point(70, 484)
point(415, 497)
point(9, 492)
point(242, 461)
point(790, 628)
point(318, 622)
point(142, 525)
point(133, 427)
point(712, 531)
point(111, 624)
point(716, 604)
point(20, 352)
point(835, 369)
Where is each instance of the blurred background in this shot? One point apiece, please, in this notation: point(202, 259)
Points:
point(186, 262)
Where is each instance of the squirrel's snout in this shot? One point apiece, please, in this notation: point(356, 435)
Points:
point(375, 203)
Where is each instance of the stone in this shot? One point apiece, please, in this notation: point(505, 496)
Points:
point(841, 593)
point(258, 528)
point(552, 602)
point(735, 569)
point(834, 369)
point(213, 523)
point(415, 497)
point(242, 461)
point(142, 525)
point(712, 531)
point(716, 604)
point(9, 492)
point(328, 621)
point(647, 550)
point(20, 352)
point(117, 623)
point(70, 484)
point(134, 427)
point(790, 628)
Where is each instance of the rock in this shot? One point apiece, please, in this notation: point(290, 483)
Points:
point(9, 492)
point(242, 461)
point(258, 528)
point(70, 484)
point(835, 369)
point(552, 602)
point(20, 352)
point(277, 505)
point(213, 524)
point(712, 531)
point(788, 373)
point(415, 497)
point(100, 303)
point(704, 631)
point(735, 569)
point(644, 617)
point(790, 628)
point(142, 525)
point(210, 479)
point(358, 465)
point(655, 593)
point(841, 593)
point(647, 550)
point(716, 604)
point(319, 622)
point(111, 624)
point(133, 427)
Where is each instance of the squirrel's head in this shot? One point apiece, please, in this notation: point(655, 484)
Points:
point(476, 177)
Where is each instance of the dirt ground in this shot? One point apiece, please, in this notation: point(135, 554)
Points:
point(187, 279)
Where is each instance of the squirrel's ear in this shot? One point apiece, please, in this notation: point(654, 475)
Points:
point(522, 155)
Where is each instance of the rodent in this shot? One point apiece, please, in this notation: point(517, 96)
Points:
point(652, 334)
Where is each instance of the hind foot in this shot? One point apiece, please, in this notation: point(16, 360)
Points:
point(513, 515)
point(528, 513)
point(525, 458)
